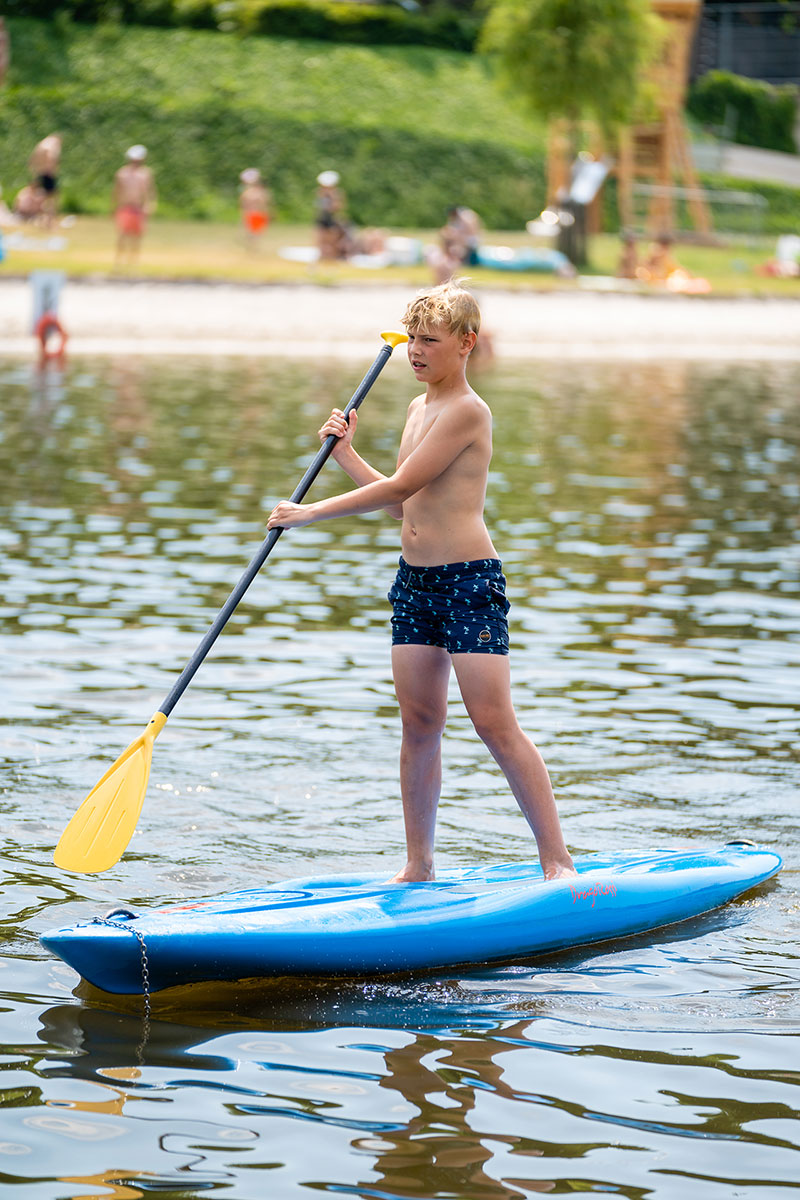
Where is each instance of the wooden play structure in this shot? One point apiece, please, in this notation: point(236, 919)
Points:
point(657, 155)
point(653, 159)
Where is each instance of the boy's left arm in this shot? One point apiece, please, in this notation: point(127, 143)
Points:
point(448, 437)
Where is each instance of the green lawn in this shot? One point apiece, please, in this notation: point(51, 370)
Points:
point(214, 250)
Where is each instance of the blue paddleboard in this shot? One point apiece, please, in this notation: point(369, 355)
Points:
point(362, 925)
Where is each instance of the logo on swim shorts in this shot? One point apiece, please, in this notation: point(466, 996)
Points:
point(485, 635)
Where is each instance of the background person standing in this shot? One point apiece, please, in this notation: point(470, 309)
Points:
point(254, 205)
point(133, 199)
point(44, 164)
point(329, 217)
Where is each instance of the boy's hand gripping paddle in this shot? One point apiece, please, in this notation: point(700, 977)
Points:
point(100, 830)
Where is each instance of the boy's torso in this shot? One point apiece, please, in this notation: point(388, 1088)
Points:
point(443, 522)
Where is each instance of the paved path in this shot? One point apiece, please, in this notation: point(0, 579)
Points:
point(766, 166)
point(747, 162)
point(196, 319)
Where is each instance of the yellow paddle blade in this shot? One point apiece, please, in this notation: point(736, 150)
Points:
point(394, 338)
point(97, 835)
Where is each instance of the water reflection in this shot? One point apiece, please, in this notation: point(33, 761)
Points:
point(501, 1107)
point(649, 525)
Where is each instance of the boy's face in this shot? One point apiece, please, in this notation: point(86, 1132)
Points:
point(436, 352)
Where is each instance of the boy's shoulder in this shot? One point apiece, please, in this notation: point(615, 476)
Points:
point(465, 400)
point(470, 403)
point(466, 404)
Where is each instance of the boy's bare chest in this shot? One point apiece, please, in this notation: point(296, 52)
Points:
point(418, 425)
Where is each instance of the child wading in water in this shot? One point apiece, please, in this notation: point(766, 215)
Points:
point(449, 603)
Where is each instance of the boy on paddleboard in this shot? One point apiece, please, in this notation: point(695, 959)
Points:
point(449, 603)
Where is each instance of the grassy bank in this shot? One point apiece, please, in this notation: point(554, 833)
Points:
point(214, 251)
point(410, 129)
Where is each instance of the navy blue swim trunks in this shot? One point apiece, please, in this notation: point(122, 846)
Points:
point(461, 607)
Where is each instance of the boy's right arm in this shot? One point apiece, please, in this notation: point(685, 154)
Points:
point(348, 459)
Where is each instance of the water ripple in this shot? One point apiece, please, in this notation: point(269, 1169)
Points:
point(648, 522)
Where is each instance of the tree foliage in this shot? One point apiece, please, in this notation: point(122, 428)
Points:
point(574, 58)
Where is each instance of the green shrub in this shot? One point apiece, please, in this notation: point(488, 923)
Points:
point(327, 20)
point(765, 115)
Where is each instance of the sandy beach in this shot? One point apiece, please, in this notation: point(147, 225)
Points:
point(138, 317)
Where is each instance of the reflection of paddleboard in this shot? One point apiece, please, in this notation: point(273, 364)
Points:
point(362, 925)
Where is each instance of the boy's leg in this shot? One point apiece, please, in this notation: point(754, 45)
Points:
point(420, 679)
point(485, 683)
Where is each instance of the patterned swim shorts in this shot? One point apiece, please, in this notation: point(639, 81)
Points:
point(460, 606)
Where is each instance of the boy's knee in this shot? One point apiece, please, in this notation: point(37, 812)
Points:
point(423, 723)
point(493, 729)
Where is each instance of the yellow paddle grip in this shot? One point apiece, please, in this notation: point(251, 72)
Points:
point(394, 338)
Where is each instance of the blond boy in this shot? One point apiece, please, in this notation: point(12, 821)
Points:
point(449, 605)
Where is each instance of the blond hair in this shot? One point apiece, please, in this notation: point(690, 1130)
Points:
point(448, 304)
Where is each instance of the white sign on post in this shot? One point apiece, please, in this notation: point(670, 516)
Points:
point(47, 287)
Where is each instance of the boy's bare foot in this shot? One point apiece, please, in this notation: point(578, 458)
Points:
point(560, 871)
point(414, 873)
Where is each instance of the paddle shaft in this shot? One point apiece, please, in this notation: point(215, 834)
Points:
point(264, 551)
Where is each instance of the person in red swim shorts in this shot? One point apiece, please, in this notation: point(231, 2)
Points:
point(254, 205)
point(133, 200)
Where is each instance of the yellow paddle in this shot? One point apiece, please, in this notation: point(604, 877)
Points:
point(100, 830)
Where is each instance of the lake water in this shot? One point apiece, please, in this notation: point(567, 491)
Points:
point(649, 524)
